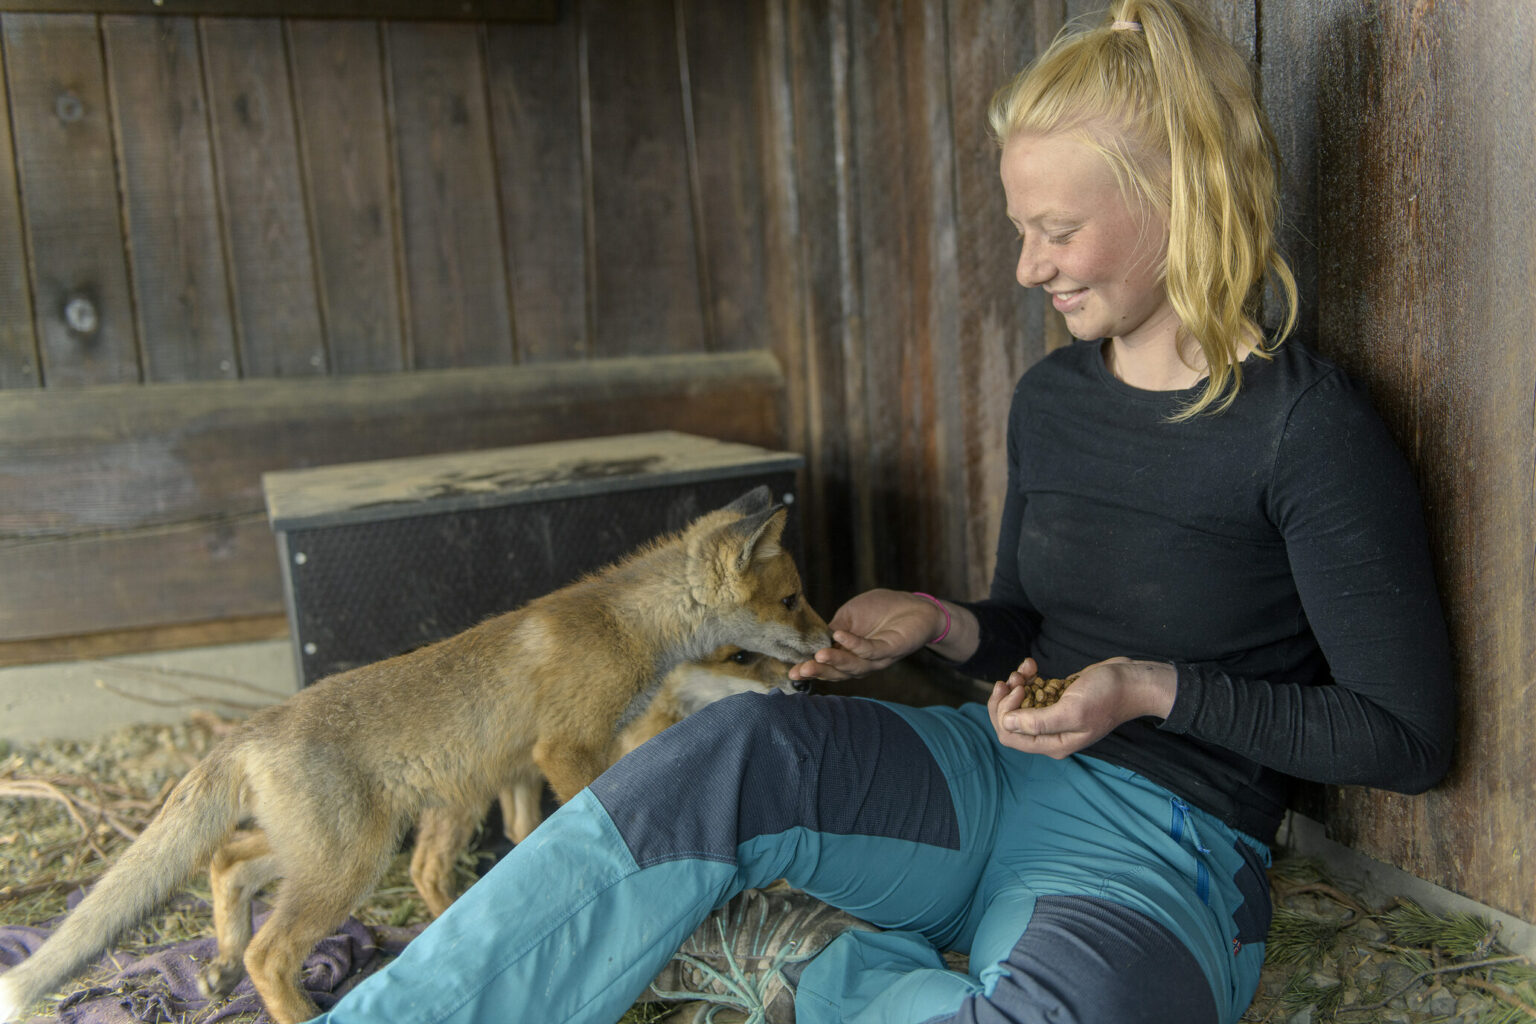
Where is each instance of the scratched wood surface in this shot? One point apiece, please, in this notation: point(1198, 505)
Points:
point(64, 163)
point(457, 301)
point(1002, 328)
point(429, 10)
point(1413, 234)
point(181, 296)
point(343, 135)
point(544, 183)
point(272, 271)
point(646, 268)
point(18, 344)
point(84, 545)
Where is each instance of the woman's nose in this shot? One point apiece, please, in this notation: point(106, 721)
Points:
point(1033, 270)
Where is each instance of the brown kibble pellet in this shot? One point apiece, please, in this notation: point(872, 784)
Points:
point(1045, 692)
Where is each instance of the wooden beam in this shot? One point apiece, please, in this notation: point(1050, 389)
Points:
point(427, 10)
point(126, 507)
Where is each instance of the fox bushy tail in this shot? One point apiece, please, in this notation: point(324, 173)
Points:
point(181, 839)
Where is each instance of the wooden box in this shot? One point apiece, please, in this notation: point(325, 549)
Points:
point(381, 557)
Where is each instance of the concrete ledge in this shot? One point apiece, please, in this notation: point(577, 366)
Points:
point(84, 699)
point(1380, 883)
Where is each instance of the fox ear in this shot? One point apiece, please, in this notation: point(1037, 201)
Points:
point(758, 499)
point(761, 535)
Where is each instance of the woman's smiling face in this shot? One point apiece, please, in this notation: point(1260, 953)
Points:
point(1100, 259)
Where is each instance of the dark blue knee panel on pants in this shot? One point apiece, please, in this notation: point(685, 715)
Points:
point(1085, 960)
point(755, 765)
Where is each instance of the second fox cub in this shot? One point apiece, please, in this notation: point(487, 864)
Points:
point(333, 776)
point(726, 671)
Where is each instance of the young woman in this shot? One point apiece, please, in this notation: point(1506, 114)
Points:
point(1206, 523)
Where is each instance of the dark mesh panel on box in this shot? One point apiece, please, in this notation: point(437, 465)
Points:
point(370, 590)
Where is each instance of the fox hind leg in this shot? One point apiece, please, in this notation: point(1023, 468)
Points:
point(241, 868)
point(441, 832)
point(317, 893)
point(522, 804)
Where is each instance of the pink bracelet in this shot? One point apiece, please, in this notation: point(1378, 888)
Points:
point(947, 621)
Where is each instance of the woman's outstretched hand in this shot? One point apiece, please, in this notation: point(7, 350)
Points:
point(1103, 696)
point(872, 631)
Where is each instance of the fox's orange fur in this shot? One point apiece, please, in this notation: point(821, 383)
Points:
point(330, 779)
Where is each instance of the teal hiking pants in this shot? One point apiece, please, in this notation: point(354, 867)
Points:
point(1081, 891)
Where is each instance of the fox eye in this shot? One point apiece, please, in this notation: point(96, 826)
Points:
point(742, 657)
point(791, 602)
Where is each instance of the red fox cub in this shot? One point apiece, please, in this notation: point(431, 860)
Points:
point(728, 670)
point(333, 776)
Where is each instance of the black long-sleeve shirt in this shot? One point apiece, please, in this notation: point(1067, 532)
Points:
point(1275, 553)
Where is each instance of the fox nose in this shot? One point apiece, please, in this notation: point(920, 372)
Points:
point(801, 685)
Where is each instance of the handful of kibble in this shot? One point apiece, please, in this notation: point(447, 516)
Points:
point(1044, 692)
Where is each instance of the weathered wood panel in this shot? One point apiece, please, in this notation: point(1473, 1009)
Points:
point(180, 292)
point(455, 268)
point(1416, 245)
point(69, 195)
point(722, 56)
point(18, 341)
point(646, 295)
point(815, 145)
point(1001, 325)
point(539, 127)
point(344, 136)
point(272, 269)
point(783, 285)
point(903, 212)
point(131, 506)
point(430, 10)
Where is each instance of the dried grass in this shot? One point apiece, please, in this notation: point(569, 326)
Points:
point(67, 809)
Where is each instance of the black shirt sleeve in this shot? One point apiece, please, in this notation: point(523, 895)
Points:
point(1348, 508)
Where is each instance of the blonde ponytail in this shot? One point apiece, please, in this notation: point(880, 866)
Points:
point(1170, 104)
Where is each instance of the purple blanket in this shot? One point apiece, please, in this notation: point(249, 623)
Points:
point(161, 985)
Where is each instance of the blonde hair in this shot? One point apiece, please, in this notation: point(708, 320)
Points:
point(1170, 104)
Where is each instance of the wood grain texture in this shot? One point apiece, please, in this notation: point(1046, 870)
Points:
point(84, 647)
point(19, 361)
point(783, 283)
point(109, 493)
point(188, 572)
point(64, 160)
point(343, 132)
point(1002, 326)
point(270, 253)
point(1400, 203)
point(901, 212)
point(811, 147)
point(456, 276)
point(537, 122)
point(180, 288)
point(723, 57)
point(646, 293)
point(430, 10)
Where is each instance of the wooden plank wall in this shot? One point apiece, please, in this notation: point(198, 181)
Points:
point(805, 179)
point(189, 203)
point(1412, 227)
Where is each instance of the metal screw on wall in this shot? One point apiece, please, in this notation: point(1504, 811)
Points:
point(80, 315)
point(68, 107)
